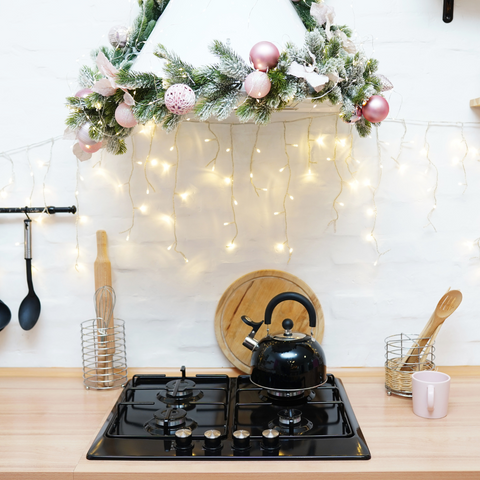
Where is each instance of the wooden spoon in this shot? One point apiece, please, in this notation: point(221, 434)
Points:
point(445, 307)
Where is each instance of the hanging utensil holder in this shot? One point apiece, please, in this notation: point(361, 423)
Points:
point(398, 374)
point(104, 354)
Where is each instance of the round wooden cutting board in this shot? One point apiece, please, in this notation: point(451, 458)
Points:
point(249, 295)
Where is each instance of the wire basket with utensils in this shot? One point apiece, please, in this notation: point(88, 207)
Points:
point(405, 355)
point(104, 355)
point(103, 345)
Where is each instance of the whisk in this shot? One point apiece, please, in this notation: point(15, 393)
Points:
point(105, 299)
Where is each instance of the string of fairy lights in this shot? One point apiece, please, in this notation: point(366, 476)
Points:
point(323, 141)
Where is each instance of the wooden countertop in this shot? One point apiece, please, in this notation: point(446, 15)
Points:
point(48, 420)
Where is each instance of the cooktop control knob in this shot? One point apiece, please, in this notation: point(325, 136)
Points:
point(213, 439)
point(270, 439)
point(183, 438)
point(241, 439)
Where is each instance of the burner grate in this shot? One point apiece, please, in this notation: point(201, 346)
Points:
point(327, 417)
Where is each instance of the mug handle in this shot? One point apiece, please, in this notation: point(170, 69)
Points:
point(430, 397)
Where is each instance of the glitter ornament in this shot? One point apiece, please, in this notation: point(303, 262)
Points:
point(124, 116)
point(385, 83)
point(118, 36)
point(90, 148)
point(180, 99)
point(83, 93)
point(264, 56)
point(376, 109)
point(257, 84)
point(83, 135)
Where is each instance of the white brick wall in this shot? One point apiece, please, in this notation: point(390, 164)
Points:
point(169, 305)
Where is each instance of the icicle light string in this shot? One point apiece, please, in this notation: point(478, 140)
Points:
point(287, 194)
point(214, 159)
point(334, 204)
point(129, 183)
point(400, 148)
point(11, 180)
point(350, 156)
point(426, 146)
point(309, 141)
point(462, 161)
point(174, 213)
point(255, 149)
point(233, 202)
point(147, 160)
point(32, 175)
point(46, 174)
point(374, 193)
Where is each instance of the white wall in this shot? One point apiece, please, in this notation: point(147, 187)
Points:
point(169, 305)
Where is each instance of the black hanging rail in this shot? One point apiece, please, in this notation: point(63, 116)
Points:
point(48, 210)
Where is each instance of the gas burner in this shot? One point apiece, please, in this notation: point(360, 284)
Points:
point(179, 393)
point(170, 417)
point(290, 422)
point(287, 397)
point(286, 394)
point(290, 416)
point(168, 420)
point(186, 403)
point(180, 388)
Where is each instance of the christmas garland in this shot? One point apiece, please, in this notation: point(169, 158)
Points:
point(115, 98)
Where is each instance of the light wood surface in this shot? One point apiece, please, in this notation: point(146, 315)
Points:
point(48, 420)
point(249, 295)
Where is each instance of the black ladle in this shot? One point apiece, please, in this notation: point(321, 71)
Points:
point(5, 315)
point(29, 310)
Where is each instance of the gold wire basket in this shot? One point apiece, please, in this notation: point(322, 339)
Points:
point(104, 355)
point(398, 373)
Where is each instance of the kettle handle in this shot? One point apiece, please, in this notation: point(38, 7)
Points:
point(282, 297)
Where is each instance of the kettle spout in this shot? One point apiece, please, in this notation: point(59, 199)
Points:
point(250, 341)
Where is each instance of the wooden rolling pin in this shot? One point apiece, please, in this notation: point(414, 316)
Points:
point(103, 277)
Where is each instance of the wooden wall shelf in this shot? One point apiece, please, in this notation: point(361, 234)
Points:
point(475, 102)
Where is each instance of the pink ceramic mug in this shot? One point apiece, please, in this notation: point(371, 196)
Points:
point(430, 391)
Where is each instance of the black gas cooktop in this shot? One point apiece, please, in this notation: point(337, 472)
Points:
point(209, 417)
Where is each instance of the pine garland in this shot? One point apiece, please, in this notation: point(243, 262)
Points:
point(218, 87)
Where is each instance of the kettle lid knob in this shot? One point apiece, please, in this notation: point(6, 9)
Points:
point(287, 324)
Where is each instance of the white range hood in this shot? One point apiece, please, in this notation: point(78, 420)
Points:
point(188, 28)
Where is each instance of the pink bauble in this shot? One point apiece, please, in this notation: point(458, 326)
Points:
point(124, 116)
point(376, 109)
point(83, 93)
point(264, 56)
point(84, 136)
point(180, 99)
point(90, 148)
point(257, 84)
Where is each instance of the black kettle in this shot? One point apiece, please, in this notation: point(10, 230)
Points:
point(286, 361)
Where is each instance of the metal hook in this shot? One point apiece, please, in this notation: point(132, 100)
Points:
point(26, 213)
